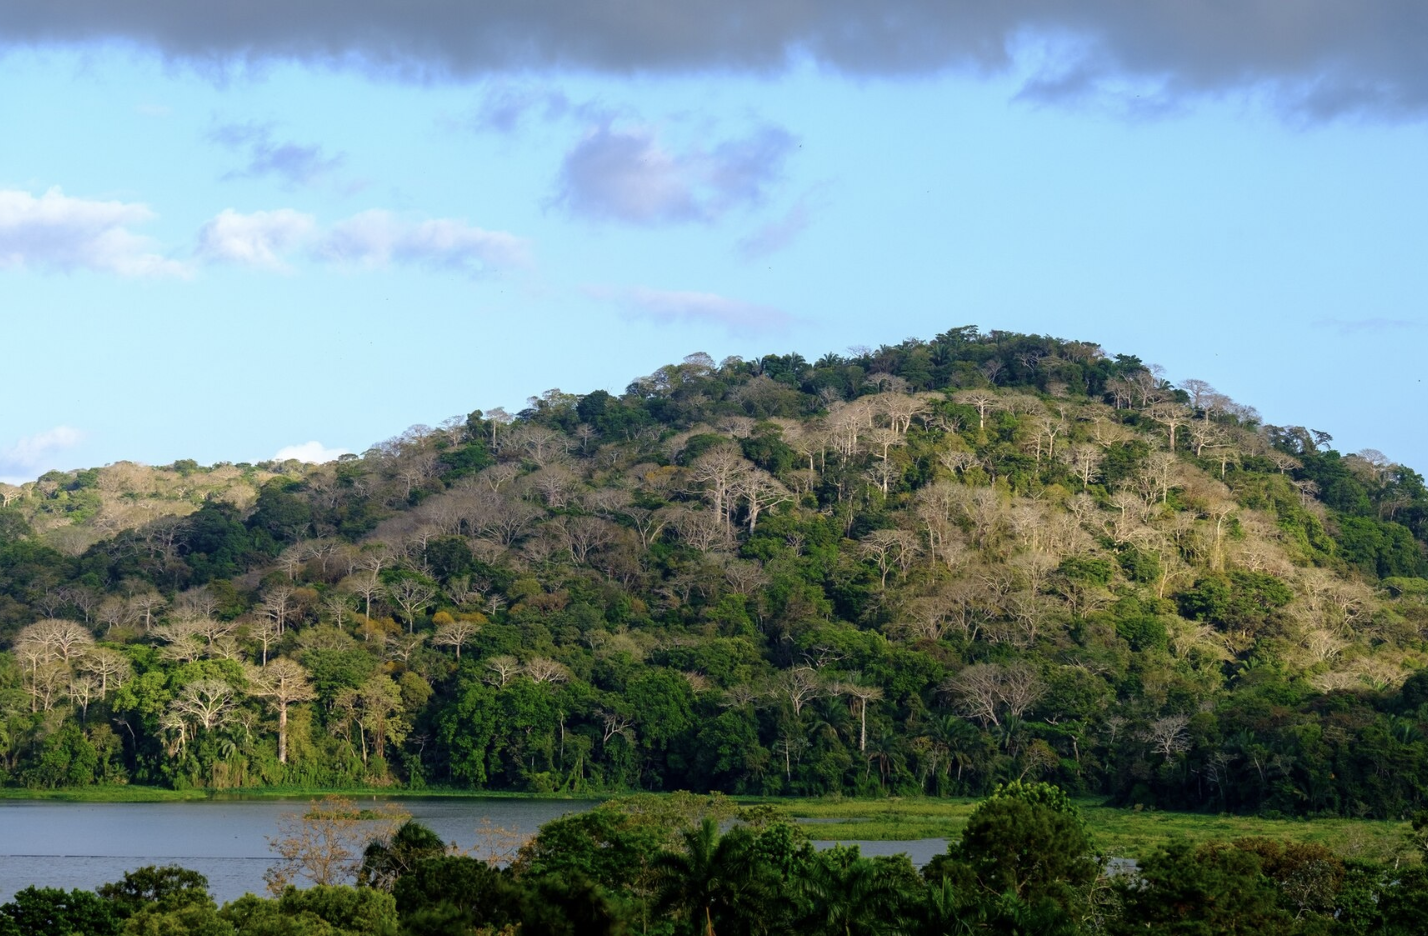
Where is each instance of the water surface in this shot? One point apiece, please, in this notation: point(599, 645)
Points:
point(84, 845)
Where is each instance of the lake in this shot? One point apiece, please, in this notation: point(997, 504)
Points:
point(83, 845)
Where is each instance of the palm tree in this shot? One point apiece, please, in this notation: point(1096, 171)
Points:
point(713, 880)
point(384, 862)
point(848, 894)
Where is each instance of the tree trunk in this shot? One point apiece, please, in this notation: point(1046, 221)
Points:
point(282, 733)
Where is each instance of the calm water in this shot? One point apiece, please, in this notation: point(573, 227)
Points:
point(83, 845)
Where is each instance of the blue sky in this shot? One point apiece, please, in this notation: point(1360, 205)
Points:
point(222, 241)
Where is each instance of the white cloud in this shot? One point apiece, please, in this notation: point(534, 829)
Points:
point(56, 232)
point(371, 239)
point(669, 307)
point(379, 239)
point(33, 455)
point(258, 239)
point(311, 452)
point(629, 175)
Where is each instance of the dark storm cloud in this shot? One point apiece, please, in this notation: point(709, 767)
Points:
point(1314, 58)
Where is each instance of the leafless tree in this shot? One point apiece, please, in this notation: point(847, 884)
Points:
point(992, 692)
point(503, 669)
point(284, 683)
point(703, 530)
point(983, 401)
point(277, 605)
point(889, 549)
point(110, 667)
point(1168, 736)
point(543, 670)
point(365, 585)
point(338, 606)
point(759, 491)
point(861, 696)
point(1171, 415)
point(60, 639)
point(263, 631)
point(411, 595)
point(648, 524)
point(146, 605)
point(614, 723)
point(717, 470)
point(799, 686)
point(1085, 461)
point(114, 613)
point(181, 641)
point(584, 535)
point(455, 634)
point(205, 703)
point(400, 647)
point(324, 844)
point(82, 598)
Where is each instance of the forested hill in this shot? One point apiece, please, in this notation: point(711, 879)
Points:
point(921, 569)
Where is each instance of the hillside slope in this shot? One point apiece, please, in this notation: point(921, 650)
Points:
point(925, 568)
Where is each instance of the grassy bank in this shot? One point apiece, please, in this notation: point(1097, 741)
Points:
point(1121, 832)
point(147, 794)
point(106, 794)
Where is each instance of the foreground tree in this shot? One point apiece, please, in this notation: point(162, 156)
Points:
point(324, 844)
point(714, 882)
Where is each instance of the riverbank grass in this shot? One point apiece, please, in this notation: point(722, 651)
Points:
point(1124, 833)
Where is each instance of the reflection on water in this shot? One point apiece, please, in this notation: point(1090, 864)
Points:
point(69, 845)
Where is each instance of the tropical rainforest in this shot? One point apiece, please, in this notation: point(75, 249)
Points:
point(923, 569)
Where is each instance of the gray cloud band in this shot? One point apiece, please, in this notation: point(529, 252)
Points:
point(1317, 58)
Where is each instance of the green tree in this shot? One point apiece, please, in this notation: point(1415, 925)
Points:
point(49, 911)
point(385, 861)
point(712, 882)
point(1212, 890)
point(1028, 840)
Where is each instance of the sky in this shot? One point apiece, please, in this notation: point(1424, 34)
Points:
point(234, 231)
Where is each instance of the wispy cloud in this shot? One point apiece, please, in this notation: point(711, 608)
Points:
point(674, 307)
point(260, 239)
point(380, 238)
point(293, 163)
point(1367, 325)
point(782, 231)
point(59, 233)
point(273, 240)
point(628, 174)
point(33, 455)
point(314, 453)
point(504, 107)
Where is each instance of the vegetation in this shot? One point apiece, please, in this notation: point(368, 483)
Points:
point(685, 865)
point(922, 570)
